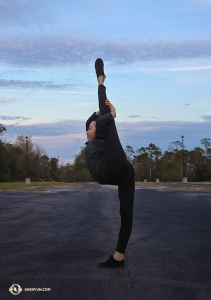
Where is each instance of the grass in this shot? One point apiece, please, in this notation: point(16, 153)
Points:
point(180, 185)
point(41, 186)
point(8, 186)
point(193, 187)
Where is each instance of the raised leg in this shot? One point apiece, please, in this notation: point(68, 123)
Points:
point(116, 161)
point(101, 98)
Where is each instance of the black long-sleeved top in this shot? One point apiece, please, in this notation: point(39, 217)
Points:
point(95, 149)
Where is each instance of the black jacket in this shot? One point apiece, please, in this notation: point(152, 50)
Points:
point(95, 149)
point(95, 159)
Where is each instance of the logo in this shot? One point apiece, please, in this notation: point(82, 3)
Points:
point(15, 289)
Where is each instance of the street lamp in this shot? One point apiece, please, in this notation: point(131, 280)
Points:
point(183, 161)
point(27, 181)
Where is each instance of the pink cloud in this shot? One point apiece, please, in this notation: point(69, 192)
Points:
point(49, 51)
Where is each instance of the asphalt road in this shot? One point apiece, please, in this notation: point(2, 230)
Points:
point(55, 239)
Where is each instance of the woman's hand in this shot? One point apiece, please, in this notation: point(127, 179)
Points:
point(112, 108)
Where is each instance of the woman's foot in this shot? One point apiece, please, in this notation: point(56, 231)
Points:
point(112, 263)
point(99, 68)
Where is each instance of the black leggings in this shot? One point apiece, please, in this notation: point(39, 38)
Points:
point(119, 171)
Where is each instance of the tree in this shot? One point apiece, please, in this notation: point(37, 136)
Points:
point(44, 162)
point(67, 173)
point(154, 154)
point(35, 152)
point(209, 154)
point(17, 162)
point(175, 146)
point(2, 128)
point(54, 168)
point(80, 169)
point(203, 172)
point(4, 160)
point(21, 143)
point(176, 150)
point(141, 160)
point(207, 144)
point(129, 153)
point(13, 161)
point(170, 164)
point(195, 160)
point(171, 172)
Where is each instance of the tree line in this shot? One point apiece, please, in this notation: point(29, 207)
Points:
point(149, 162)
point(173, 164)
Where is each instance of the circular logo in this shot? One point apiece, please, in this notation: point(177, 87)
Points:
point(15, 289)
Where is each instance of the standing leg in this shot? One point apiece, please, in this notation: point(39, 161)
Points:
point(126, 197)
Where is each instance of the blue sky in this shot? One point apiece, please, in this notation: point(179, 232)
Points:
point(157, 58)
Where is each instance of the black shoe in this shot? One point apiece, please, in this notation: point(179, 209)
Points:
point(99, 67)
point(112, 263)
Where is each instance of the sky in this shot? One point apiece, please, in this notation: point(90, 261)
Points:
point(157, 57)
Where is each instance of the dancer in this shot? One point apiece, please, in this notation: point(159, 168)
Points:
point(107, 164)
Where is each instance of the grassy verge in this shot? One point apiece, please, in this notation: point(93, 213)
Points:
point(198, 187)
point(32, 186)
point(179, 185)
point(41, 186)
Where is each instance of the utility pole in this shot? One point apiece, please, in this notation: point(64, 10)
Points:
point(27, 181)
point(58, 168)
point(184, 179)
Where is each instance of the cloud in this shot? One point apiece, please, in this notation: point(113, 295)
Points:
point(47, 85)
point(14, 118)
point(207, 118)
point(58, 51)
point(178, 69)
point(55, 129)
point(134, 116)
point(12, 121)
point(6, 100)
point(141, 134)
point(200, 3)
point(187, 103)
point(24, 12)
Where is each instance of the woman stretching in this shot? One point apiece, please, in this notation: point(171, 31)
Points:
point(107, 164)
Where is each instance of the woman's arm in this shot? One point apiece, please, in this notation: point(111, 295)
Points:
point(102, 124)
point(93, 117)
point(97, 114)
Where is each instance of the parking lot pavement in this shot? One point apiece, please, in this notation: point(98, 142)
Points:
point(56, 238)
